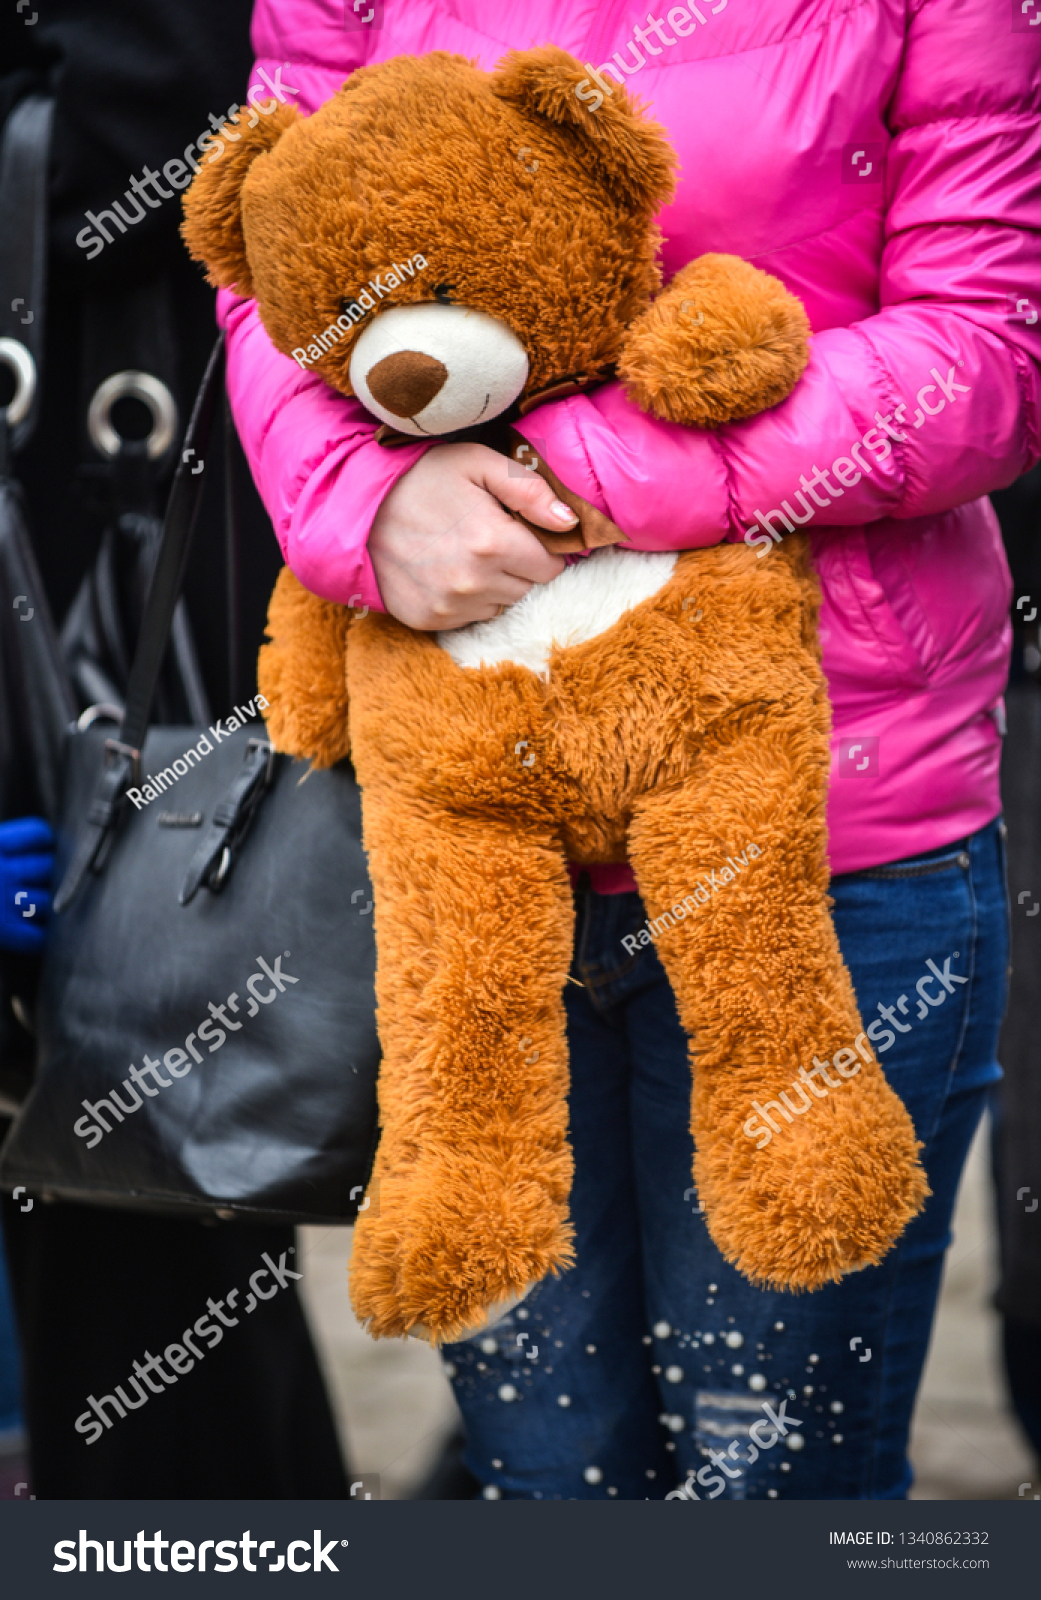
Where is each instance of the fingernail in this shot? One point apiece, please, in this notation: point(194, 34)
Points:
point(565, 513)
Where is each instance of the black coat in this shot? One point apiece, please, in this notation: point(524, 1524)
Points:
point(135, 81)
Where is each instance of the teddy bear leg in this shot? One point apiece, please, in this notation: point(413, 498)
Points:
point(474, 929)
point(806, 1160)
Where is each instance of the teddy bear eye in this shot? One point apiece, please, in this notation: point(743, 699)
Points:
point(443, 293)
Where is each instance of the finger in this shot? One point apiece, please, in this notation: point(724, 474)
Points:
point(524, 492)
point(531, 561)
point(32, 869)
point(502, 541)
point(36, 905)
point(469, 602)
point(505, 592)
point(536, 567)
point(25, 833)
point(488, 613)
point(26, 939)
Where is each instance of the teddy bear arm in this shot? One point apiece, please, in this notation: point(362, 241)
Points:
point(722, 342)
point(301, 672)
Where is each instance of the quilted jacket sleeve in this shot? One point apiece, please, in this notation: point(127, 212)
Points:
point(957, 338)
point(312, 452)
point(314, 459)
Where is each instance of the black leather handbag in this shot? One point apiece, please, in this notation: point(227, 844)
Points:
point(206, 1011)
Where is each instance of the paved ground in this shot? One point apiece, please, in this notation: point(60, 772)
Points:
point(395, 1407)
point(393, 1403)
point(965, 1444)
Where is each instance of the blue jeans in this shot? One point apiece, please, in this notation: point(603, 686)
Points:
point(652, 1359)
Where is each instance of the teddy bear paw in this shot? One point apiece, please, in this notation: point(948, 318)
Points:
point(723, 341)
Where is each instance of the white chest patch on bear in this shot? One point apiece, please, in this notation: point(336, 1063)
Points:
point(586, 599)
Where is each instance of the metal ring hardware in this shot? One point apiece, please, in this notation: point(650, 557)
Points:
point(15, 356)
point(100, 709)
point(115, 747)
point(132, 386)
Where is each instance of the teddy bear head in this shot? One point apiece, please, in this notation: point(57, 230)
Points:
point(438, 240)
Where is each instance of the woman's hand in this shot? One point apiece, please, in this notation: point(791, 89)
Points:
point(26, 867)
point(444, 551)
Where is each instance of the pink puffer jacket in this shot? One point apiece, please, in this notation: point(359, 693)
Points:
point(883, 159)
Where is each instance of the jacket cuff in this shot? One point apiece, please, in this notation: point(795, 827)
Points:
point(664, 484)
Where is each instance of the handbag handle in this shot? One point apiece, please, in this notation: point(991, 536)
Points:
point(23, 253)
point(123, 755)
point(182, 510)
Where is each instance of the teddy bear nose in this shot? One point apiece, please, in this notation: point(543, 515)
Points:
point(405, 383)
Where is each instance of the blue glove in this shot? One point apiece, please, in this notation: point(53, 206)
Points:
point(26, 868)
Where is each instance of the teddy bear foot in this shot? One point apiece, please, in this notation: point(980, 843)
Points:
point(432, 1306)
point(492, 1318)
point(439, 1300)
point(778, 1245)
point(828, 1193)
point(458, 1244)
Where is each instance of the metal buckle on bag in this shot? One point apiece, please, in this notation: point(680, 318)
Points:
point(113, 747)
point(231, 822)
point(264, 744)
point(238, 823)
point(216, 879)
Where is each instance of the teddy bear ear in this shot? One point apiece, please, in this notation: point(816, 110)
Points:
point(630, 151)
point(212, 226)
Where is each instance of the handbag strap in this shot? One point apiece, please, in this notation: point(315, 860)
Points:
point(231, 822)
point(23, 239)
point(182, 511)
point(123, 755)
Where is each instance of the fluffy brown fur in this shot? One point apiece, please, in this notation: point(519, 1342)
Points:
point(722, 342)
point(214, 226)
point(306, 686)
point(373, 174)
point(301, 213)
point(724, 724)
point(676, 737)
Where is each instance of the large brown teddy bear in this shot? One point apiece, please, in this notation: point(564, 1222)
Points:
point(669, 710)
